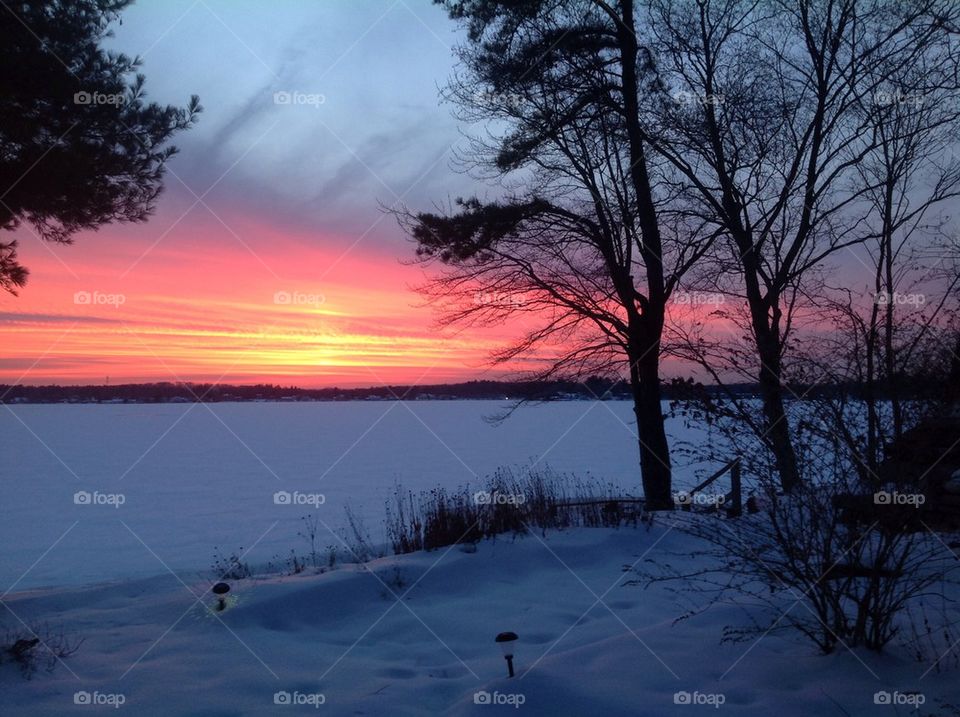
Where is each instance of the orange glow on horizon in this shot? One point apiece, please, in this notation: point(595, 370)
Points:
point(200, 302)
point(278, 308)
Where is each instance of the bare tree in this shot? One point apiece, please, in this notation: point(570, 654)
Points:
point(578, 243)
point(803, 567)
point(914, 262)
point(775, 117)
point(638, 136)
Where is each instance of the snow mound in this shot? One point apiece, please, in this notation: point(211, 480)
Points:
point(414, 635)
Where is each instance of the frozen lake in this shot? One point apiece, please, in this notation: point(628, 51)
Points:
point(194, 476)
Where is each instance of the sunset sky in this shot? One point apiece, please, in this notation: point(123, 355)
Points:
point(270, 256)
point(265, 202)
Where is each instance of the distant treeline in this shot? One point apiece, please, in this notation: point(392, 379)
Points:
point(178, 392)
point(167, 392)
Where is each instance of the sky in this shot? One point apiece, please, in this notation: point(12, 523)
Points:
point(270, 256)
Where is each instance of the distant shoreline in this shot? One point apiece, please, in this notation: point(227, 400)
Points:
point(591, 389)
point(168, 392)
point(135, 402)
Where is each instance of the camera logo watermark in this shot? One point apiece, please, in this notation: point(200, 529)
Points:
point(98, 298)
point(283, 497)
point(698, 298)
point(294, 98)
point(514, 699)
point(483, 497)
point(912, 699)
point(499, 100)
point(897, 96)
point(83, 497)
point(884, 298)
point(99, 98)
point(310, 699)
point(713, 699)
point(689, 99)
point(99, 699)
point(882, 497)
point(297, 298)
point(699, 499)
point(499, 298)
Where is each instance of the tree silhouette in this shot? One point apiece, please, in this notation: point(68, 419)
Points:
point(782, 107)
point(79, 145)
point(657, 145)
point(581, 244)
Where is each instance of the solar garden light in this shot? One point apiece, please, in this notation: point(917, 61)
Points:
point(221, 590)
point(506, 640)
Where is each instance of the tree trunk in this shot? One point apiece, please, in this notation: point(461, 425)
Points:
point(765, 327)
point(873, 359)
point(868, 476)
point(646, 328)
point(771, 393)
point(888, 336)
point(655, 469)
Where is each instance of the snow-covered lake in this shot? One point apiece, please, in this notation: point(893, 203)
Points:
point(195, 477)
point(402, 635)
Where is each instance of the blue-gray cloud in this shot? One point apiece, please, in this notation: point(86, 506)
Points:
point(324, 168)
